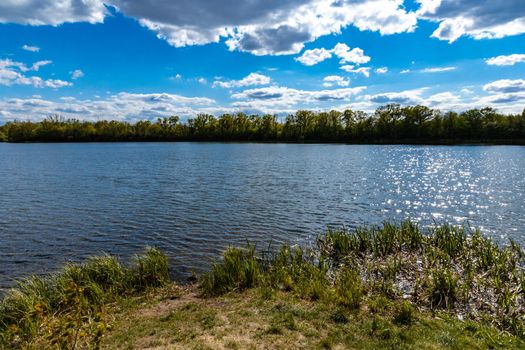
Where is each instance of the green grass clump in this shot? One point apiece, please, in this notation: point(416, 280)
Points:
point(443, 288)
point(239, 270)
point(349, 288)
point(73, 299)
point(147, 270)
point(444, 267)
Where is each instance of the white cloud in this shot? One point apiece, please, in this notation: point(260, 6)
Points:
point(352, 69)
point(382, 70)
point(36, 66)
point(272, 27)
point(511, 102)
point(355, 55)
point(405, 71)
point(341, 50)
point(77, 74)
point(508, 60)
point(202, 81)
point(505, 86)
point(333, 80)
point(261, 27)
point(408, 97)
point(249, 80)
point(479, 19)
point(438, 69)
point(122, 106)
point(13, 73)
point(51, 12)
point(280, 99)
point(312, 57)
point(30, 48)
point(23, 67)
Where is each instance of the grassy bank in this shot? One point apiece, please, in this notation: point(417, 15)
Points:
point(393, 286)
point(67, 310)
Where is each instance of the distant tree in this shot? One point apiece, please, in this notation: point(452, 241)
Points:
point(389, 123)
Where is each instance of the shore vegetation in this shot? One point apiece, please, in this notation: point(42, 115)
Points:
point(393, 286)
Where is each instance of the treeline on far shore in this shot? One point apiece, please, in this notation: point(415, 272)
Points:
point(391, 123)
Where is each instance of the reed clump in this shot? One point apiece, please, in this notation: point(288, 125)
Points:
point(445, 268)
point(67, 308)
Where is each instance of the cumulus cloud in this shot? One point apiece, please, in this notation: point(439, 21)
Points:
point(341, 50)
point(261, 27)
point(314, 56)
point(479, 19)
point(272, 27)
point(333, 80)
point(30, 48)
point(280, 99)
point(77, 74)
point(51, 12)
point(382, 70)
point(355, 55)
point(505, 86)
point(14, 73)
point(123, 106)
point(508, 60)
point(249, 80)
point(408, 97)
point(352, 69)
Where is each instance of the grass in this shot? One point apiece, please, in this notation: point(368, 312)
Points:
point(67, 309)
point(393, 286)
point(246, 320)
point(445, 268)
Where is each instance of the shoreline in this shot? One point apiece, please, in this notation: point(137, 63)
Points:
point(378, 143)
point(393, 285)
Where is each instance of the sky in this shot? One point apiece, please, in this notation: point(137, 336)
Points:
point(143, 59)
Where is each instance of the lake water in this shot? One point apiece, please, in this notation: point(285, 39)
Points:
point(62, 202)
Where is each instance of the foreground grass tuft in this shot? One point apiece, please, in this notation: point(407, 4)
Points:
point(67, 309)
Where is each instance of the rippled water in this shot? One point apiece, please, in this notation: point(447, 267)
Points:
point(67, 201)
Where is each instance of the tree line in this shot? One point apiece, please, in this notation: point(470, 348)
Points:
point(391, 123)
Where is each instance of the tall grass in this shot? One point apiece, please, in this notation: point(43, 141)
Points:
point(447, 268)
point(61, 303)
point(239, 270)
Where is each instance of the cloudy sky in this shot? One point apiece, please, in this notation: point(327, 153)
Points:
point(131, 59)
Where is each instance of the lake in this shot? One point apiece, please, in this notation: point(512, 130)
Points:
point(61, 202)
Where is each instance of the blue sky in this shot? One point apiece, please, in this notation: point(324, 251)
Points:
point(123, 59)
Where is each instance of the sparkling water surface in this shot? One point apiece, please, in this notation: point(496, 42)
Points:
point(61, 202)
